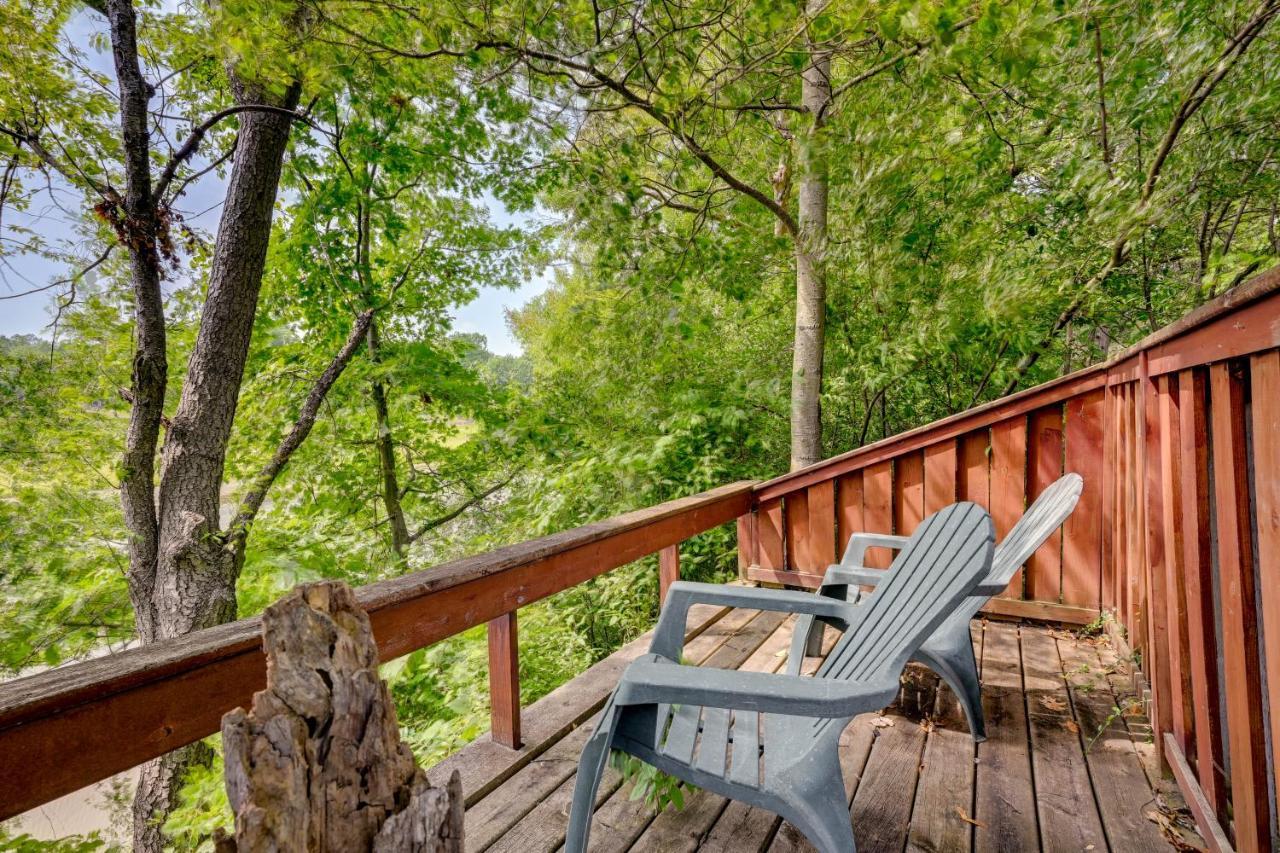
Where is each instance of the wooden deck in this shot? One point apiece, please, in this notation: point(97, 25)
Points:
point(1061, 770)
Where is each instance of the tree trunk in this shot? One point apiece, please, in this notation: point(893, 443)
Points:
point(139, 231)
point(193, 575)
point(810, 251)
point(318, 763)
point(385, 443)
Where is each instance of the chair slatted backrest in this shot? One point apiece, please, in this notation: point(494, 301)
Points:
point(1045, 515)
point(949, 553)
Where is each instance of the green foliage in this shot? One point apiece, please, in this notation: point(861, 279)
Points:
point(972, 196)
point(657, 789)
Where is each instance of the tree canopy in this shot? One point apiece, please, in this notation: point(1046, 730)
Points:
point(768, 232)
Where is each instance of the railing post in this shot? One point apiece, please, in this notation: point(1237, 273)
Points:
point(668, 570)
point(504, 681)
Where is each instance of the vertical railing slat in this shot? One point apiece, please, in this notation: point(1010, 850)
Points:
point(668, 570)
point(504, 681)
point(1155, 580)
point(1009, 484)
point(769, 535)
point(849, 518)
point(1082, 533)
point(1264, 377)
point(822, 525)
point(877, 497)
point(975, 468)
point(1241, 668)
point(1044, 466)
point(1175, 584)
point(908, 492)
point(1197, 567)
point(941, 465)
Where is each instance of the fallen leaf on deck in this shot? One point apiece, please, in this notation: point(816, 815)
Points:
point(1070, 725)
point(1052, 703)
point(882, 722)
point(964, 817)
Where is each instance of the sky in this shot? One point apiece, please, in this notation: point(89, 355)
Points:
point(53, 218)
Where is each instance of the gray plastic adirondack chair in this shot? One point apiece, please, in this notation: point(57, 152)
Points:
point(949, 651)
point(768, 739)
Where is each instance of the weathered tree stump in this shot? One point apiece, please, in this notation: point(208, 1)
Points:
point(318, 764)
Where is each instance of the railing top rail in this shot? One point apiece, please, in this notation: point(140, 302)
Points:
point(114, 712)
point(1122, 366)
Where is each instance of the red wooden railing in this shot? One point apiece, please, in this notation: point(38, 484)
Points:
point(1177, 535)
point(1178, 441)
point(77, 724)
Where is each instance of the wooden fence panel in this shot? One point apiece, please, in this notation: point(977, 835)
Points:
point(769, 535)
point(849, 508)
point(1082, 534)
point(877, 503)
point(941, 464)
point(1175, 602)
point(1044, 467)
point(1197, 567)
point(908, 493)
point(1241, 668)
point(1264, 377)
point(1008, 483)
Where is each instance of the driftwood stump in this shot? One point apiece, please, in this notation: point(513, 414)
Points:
point(318, 764)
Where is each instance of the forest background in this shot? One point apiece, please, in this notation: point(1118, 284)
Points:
point(773, 231)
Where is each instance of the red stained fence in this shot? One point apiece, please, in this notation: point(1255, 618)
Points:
point(1177, 534)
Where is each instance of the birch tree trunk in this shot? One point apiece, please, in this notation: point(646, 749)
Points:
point(810, 252)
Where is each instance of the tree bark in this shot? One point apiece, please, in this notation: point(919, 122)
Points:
point(138, 228)
point(195, 574)
point(318, 763)
point(190, 574)
point(810, 253)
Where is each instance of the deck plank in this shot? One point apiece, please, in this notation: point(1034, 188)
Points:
point(1124, 794)
point(1068, 812)
point(882, 804)
point(1005, 808)
point(944, 793)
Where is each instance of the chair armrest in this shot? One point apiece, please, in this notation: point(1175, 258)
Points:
point(668, 638)
point(855, 553)
point(654, 680)
point(853, 576)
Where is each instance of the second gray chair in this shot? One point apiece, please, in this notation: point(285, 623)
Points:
point(771, 740)
point(949, 650)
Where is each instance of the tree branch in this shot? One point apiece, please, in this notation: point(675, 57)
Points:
point(252, 502)
point(192, 143)
point(881, 67)
point(1199, 91)
point(459, 509)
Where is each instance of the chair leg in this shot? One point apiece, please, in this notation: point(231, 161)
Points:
point(825, 820)
point(805, 640)
point(950, 655)
point(590, 768)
